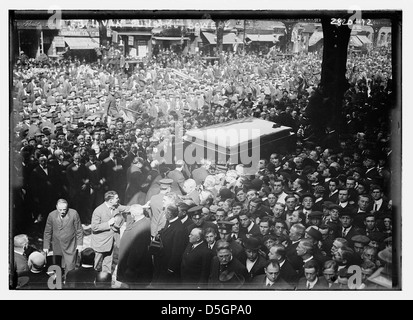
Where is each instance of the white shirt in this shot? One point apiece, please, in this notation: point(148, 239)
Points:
point(268, 282)
point(343, 204)
point(196, 245)
point(308, 259)
point(377, 204)
point(250, 264)
point(312, 284)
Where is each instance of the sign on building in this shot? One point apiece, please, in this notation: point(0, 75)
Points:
point(59, 42)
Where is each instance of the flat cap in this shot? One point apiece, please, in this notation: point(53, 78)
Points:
point(315, 214)
point(166, 181)
point(251, 243)
point(360, 238)
point(195, 210)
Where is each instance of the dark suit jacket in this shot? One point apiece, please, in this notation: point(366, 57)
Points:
point(82, 278)
point(135, 261)
point(233, 266)
point(38, 281)
point(45, 190)
point(258, 267)
point(288, 273)
point(259, 283)
point(196, 265)
point(173, 239)
point(21, 271)
point(351, 233)
point(321, 284)
point(254, 232)
point(291, 254)
point(76, 177)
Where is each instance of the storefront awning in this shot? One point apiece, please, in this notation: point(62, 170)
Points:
point(229, 38)
point(354, 41)
point(82, 43)
point(171, 38)
point(315, 37)
point(135, 33)
point(262, 37)
point(364, 39)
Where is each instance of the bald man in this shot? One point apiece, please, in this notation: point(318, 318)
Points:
point(190, 191)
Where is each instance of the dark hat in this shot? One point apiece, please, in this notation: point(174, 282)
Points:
point(256, 184)
point(315, 214)
point(305, 195)
point(92, 152)
point(225, 193)
point(268, 237)
point(195, 211)
point(327, 204)
point(360, 238)
point(346, 212)
point(335, 206)
point(251, 243)
point(54, 260)
point(166, 181)
point(315, 234)
point(224, 225)
point(376, 236)
point(231, 277)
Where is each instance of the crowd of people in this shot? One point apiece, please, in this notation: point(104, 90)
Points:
point(84, 136)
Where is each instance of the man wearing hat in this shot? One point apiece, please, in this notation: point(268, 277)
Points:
point(168, 261)
point(360, 241)
point(227, 272)
point(156, 204)
point(198, 219)
point(225, 228)
point(44, 189)
point(196, 261)
point(254, 261)
point(315, 218)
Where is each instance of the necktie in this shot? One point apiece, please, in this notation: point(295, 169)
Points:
point(375, 206)
point(308, 285)
point(344, 232)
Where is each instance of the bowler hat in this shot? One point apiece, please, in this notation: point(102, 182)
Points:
point(251, 243)
point(225, 193)
point(346, 212)
point(315, 234)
